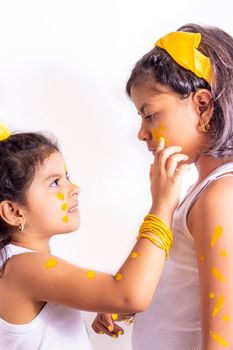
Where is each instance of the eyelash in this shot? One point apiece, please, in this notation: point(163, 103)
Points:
point(150, 116)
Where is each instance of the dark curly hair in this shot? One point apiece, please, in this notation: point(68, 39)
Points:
point(20, 155)
point(157, 66)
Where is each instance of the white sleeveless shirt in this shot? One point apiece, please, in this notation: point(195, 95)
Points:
point(172, 321)
point(56, 327)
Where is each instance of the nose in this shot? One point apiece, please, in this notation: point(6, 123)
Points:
point(74, 189)
point(144, 134)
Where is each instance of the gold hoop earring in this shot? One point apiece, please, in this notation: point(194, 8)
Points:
point(21, 227)
point(204, 127)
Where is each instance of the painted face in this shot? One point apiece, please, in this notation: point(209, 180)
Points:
point(52, 203)
point(167, 115)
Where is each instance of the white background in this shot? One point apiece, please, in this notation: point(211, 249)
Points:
point(63, 68)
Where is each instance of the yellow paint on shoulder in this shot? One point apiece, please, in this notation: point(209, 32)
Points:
point(226, 318)
point(65, 219)
point(91, 275)
point(60, 196)
point(64, 206)
point(211, 295)
point(216, 234)
point(118, 276)
point(217, 274)
point(133, 255)
point(223, 253)
point(114, 317)
point(218, 306)
point(51, 262)
point(219, 339)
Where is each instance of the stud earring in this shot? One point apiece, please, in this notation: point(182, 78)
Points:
point(21, 227)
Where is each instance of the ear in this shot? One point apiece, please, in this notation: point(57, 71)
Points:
point(11, 213)
point(203, 101)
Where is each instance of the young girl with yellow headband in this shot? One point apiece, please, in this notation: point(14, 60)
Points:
point(183, 91)
point(41, 294)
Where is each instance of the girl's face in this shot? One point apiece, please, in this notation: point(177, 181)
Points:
point(166, 115)
point(52, 200)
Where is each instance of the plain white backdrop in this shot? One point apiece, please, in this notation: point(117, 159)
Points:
point(63, 69)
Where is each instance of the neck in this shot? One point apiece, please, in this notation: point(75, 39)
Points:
point(38, 244)
point(206, 164)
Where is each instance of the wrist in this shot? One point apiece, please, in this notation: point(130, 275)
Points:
point(163, 214)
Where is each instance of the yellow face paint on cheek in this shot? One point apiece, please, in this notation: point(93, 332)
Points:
point(215, 236)
point(90, 275)
point(118, 276)
point(50, 263)
point(60, 196)
point(218, 306)
point(133, 255)
point(157, 133)
point(64, 207)
point(219, 339)
point(65, 219)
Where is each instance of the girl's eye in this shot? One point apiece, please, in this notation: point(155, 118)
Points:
point(150, 116)
point(55, 183)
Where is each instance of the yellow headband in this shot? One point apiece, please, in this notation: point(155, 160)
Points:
point(183, 48)
point(4, 132)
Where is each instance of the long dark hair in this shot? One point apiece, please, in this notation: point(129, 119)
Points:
point(157, 66)
point(20, 154)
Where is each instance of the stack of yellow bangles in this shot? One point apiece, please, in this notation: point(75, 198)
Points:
point(161, 234)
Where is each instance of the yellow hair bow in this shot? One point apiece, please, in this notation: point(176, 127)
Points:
point(4, 132)
point(183, 48)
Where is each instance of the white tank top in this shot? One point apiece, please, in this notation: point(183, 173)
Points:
point(56, 327)
point(172, 322)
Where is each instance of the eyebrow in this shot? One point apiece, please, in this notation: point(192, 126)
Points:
point(55, 175)
point(142, 108)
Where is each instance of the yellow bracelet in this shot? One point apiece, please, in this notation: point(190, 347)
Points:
point(152, 224)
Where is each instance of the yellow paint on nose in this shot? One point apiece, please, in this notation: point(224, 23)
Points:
point(65, 219)
point(60, 196)
point(215, 236)
point(50, 263)
point(91, 275)
point(64, 206)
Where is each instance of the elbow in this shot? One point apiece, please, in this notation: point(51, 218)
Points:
point(137, 302)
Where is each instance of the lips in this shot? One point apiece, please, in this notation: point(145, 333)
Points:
point(73, 209)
